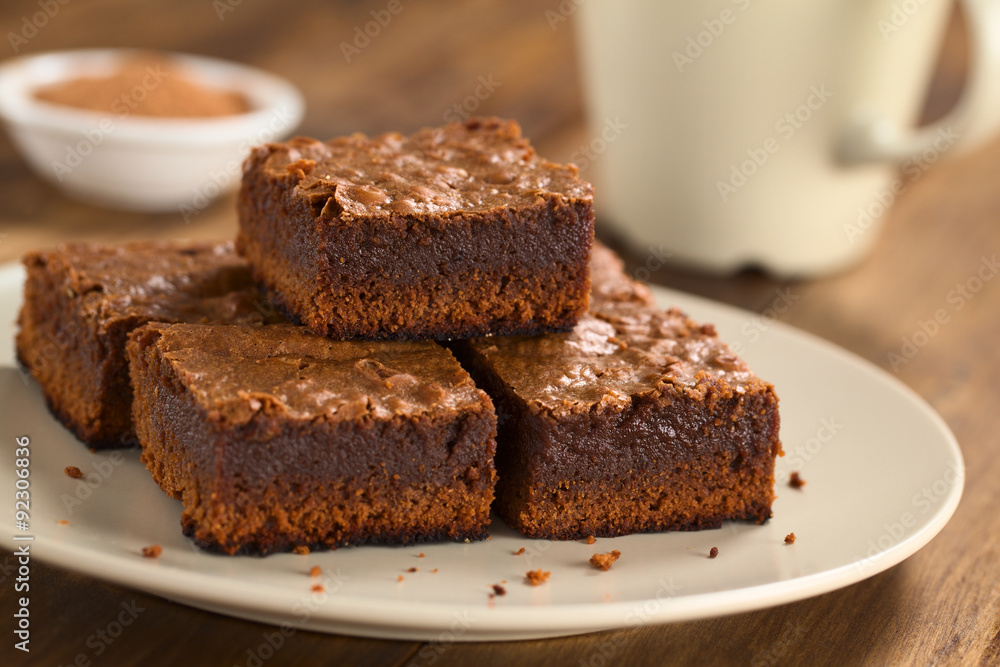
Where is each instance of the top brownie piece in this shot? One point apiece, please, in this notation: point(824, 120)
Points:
point(452, 232)
point(81, 300)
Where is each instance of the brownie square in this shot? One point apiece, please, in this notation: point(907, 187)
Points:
point(275, 438)
point(638, 420)
point(451, 232)
point(81, 300)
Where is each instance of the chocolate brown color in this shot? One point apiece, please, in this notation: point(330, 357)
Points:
point(276, 439)
point(452, 232)
point(81, 300)
point(637, 420)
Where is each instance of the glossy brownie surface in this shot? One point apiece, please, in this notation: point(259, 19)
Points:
point(82, 300)
point(473, 167)
point(637, 420)
point(275, 438)
point(452, 232)
point(285, 372)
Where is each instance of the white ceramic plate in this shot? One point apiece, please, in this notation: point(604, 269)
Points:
point(884, 476)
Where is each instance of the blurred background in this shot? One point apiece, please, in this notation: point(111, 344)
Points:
point(438, 61)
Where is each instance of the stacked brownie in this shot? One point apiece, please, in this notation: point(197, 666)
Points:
point(349, 424)
point(638, 420)
point(82, 300)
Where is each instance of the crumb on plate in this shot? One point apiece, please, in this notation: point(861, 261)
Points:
point(152, 551)
point(795, 481)
point(74, 472)
point(790, 538)
point(537, 577)
point(605, 561)
point(713, 552)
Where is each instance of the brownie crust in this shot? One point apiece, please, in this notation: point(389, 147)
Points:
point(274, 438)
point(81, 300)
point(449, 233)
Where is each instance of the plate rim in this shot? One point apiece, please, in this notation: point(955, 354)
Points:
point(377, 617)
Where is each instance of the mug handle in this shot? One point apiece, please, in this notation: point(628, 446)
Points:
point(872, 137)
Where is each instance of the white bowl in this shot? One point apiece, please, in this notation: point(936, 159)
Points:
point(141, 163)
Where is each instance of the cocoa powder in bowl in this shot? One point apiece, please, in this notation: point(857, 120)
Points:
point(148, 86)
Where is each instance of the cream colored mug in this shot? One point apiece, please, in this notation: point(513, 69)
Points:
point(771, 133)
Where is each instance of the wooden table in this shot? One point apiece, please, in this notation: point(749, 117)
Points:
point(941, 606)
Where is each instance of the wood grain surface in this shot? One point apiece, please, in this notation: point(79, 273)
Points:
point(942, 606)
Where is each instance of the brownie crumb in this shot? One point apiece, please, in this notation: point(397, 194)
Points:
point(605, 561)
point(499, 590)
point(795, 481)
point(537, 577)
point(713, 552)
point(434, 571)
point(152, 551)
point(519, 551)
point(412, 569)
point(790, 538)
point(420, 555)
point(315, 571)
point(318, 588)
point(591, 539)
point(399, 578)
point(301, 550)
point(63, 522)
point(74, 472)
